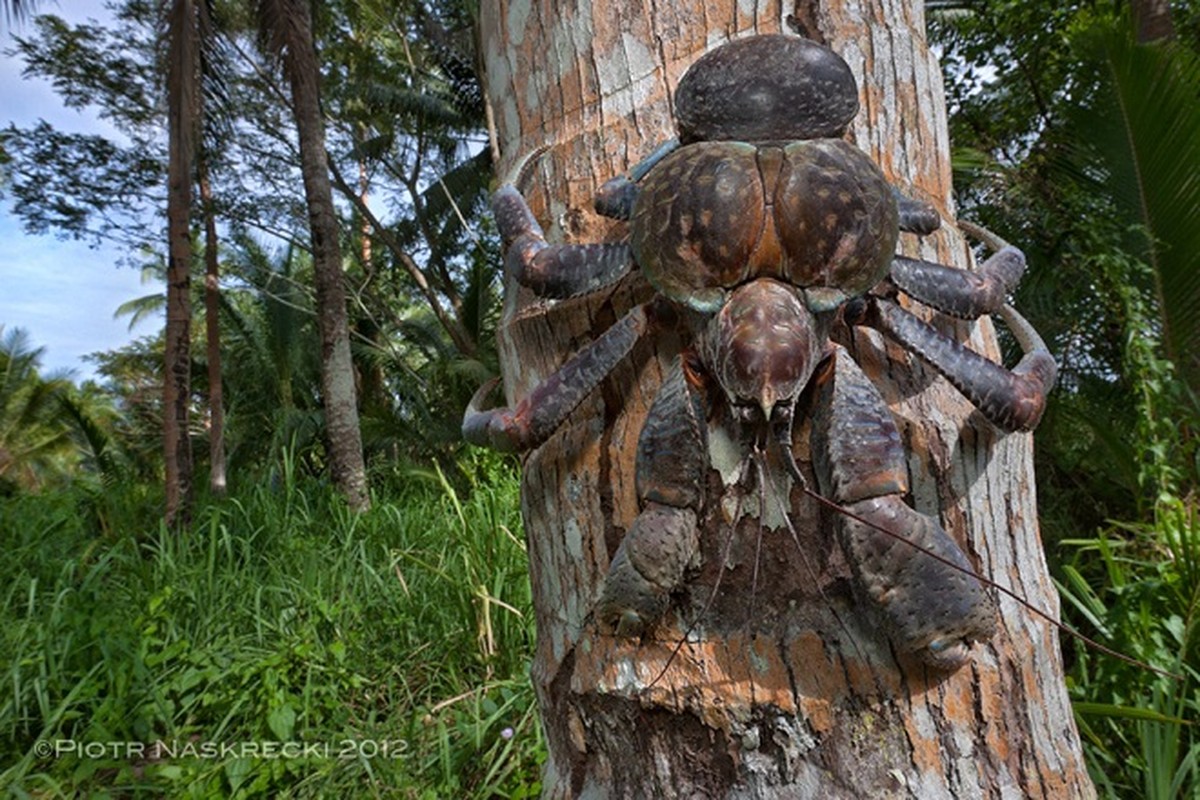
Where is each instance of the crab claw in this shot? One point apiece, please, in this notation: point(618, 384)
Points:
point(496, 428)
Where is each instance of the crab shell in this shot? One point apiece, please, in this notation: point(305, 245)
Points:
point(815, 214)
point(764, 344)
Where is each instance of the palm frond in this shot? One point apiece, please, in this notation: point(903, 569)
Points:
point(141, 308)
point(1144, 129)
point(17, 11)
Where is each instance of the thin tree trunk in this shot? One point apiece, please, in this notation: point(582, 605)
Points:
point(337, 367)
point(182, 92)
point(1152, 18)
point(212, 328)
point(785, 687)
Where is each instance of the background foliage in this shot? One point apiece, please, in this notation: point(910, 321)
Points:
point(1082, 144)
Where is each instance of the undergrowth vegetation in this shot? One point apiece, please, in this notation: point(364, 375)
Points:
point(283, 646)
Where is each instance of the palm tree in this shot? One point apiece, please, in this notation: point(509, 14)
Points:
point(273, 367)
point(286, 26)
point(1140, 123)
point(35, 447)
point(776, 685)
point(183, 115)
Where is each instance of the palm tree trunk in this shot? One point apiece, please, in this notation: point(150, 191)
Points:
point(217, 478)
point(1152, 18)
point(785, 688)
point(183, 113)
point(344, 439)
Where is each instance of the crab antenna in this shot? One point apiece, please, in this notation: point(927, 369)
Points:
point(808, 567)
point(760, 477)
point(783, 440)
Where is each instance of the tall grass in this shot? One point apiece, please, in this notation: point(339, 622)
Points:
point(1143, 598)
point(389, 651)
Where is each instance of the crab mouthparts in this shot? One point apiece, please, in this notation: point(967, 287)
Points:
point(763, 345)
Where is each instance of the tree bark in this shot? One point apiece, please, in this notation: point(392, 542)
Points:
point(183, 78)
point(785, 687)
point(217, 479)
point(1152, 19)
point(344, 438)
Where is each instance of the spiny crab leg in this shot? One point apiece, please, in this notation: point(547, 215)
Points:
point(933, 608)
point(1013, 400)
point(553, 270)
point(916, 216)
point(958, 292)
point(540, 413)
point(616, 197)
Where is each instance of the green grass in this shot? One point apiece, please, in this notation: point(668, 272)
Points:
point(389, 651)
point(1143, 599)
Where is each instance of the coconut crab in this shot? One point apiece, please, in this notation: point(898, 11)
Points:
point(761, 229)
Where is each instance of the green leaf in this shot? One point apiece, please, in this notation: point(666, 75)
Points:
point(282, 722)
point(1143, 127)
point(1125, 712)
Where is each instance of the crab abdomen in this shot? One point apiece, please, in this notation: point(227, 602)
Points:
point(714, 215)
point(764, 88)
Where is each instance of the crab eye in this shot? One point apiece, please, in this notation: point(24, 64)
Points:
point(855, 311)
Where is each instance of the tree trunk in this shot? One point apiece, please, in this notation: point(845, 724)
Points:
point(337, 368)
point(183, 113)
point(212, 328)
point(1152, 19)
point(785, 686)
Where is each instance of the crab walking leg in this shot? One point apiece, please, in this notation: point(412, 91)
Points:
point(931, 609)
point(553, 270)
point(957, 292)
point(537, 416)
point(662, 543)
point(616, 197)
point(916, 216)
point(1013, 400)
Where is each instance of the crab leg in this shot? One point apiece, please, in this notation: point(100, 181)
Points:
point(1012, 400)
point(616, 197)
point(916, 216)
point(931, 608)
point(662, 542)
point(537, 416)
point(553, 270)
point(958, 292)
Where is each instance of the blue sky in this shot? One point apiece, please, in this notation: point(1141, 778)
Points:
point(63, 293)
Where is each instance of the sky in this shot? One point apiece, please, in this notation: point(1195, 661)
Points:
point(63, 293)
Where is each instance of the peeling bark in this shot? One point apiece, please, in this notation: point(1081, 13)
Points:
point(785, 686)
